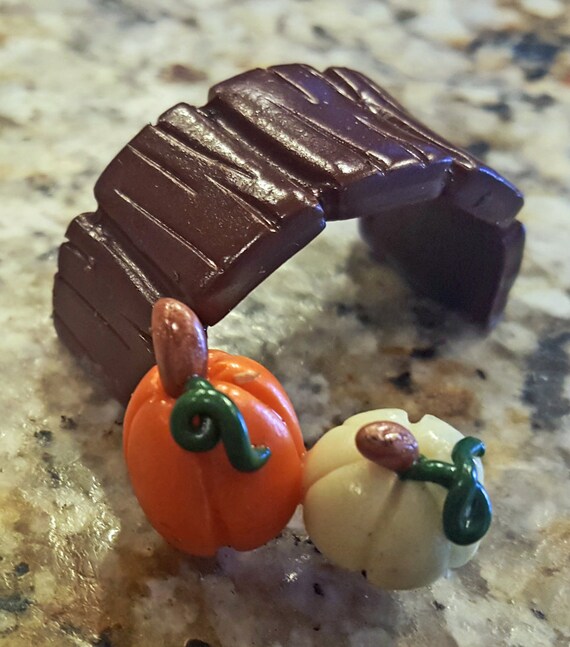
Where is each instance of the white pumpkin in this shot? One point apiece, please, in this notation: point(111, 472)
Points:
point(364, 517)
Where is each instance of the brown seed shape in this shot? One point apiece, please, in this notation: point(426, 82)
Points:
point(388, 444)
point(180, 344)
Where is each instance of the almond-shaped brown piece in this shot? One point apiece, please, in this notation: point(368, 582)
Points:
point(388, 444)
point(180, 344)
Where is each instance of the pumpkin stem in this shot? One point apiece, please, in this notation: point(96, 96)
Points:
point(202, 416)
point(467, 509)
point(180, 344)
point(388, 444)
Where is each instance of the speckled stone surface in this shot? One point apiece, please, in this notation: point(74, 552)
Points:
point(79, 564)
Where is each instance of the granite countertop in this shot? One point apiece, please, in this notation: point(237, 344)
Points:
point(79, 564)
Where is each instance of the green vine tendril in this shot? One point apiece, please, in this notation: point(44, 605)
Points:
point(467, 509)
point(202, 416)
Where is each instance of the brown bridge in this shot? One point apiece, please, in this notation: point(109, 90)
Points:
point(209, 201)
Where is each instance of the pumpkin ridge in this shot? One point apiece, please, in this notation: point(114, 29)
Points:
point(333, 471)
point(198, 484)
point(220, 531)
point(361, 471)
point(227, 387)
point(216, 529)
point(267, 390)
point(384, 517)
point(225, 536)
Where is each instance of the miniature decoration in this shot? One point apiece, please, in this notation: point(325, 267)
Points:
point(204, 205)
point(384, 501)
point(212, 443)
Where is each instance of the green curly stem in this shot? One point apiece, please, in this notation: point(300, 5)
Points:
point(467, 509)
point(202, 416)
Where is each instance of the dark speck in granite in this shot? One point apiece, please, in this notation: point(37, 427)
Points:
point(537, 613)
point(403, 382)
point(128, 15)
point(54, 475)
point(565, 454)
point(69, 629)
point(67, 422)
point(547, 368)
point(492, 38)
point(356, 309)
point(8, 122)
point(324, 34)
point(471, 577)
point(44, 436)
point(48, 255)
point(77, 42)
point(535, 55)
point(539, 101)
point(254, 307)
point(405, 15)
point(501, 108)
point(182, 73)
point(189, 21)
point(41, 183)
point(427, 352)
point(343, 309)
point(21, 569)
point(196, 642)
point(315, 387)
point(14, 603)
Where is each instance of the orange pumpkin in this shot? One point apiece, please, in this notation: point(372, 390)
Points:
point(198, 501)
